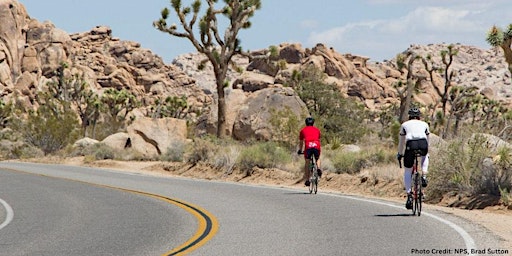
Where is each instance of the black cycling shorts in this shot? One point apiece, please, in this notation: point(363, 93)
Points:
point(413, 147)
point(314, 151)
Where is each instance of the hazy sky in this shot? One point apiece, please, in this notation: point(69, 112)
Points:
point(378, 29)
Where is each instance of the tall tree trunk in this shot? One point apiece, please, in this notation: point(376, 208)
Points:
point(508, 53)
point(221, 111)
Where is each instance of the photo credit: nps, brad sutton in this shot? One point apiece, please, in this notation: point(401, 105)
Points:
point(460, 251)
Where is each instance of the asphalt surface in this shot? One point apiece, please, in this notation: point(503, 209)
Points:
point(67, 210)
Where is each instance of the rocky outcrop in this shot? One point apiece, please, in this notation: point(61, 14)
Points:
point(149, 137)
point(253, 120)
point(31, 52)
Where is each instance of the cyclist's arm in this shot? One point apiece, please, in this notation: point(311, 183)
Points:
point(401, 141)
point(427, 132)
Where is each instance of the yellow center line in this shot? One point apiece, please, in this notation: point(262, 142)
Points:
point(207, 223)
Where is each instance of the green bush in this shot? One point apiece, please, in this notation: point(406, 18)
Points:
point(263, 155)
point(336, 116)
point(50, 128)
point(18, 150)
point(99, 151)
point(355, 162)
point(201, 150)
point(175, 153)
point(285, 124)
point(469, 166)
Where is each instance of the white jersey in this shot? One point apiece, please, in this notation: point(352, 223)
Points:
point(412, 130)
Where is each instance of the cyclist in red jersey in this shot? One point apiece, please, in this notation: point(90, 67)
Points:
point(309, 141)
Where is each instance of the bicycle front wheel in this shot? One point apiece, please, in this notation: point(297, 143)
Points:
point(419, 200)
point(417, 197)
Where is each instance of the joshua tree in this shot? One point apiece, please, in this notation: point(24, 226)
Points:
point(447, 59)
point(406, 61)
point(218, 49)
point(498, 37)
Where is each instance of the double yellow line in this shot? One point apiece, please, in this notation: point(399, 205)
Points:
point(207, 223)
point(207, 227)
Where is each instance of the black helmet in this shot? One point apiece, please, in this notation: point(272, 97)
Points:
point(414, 112)
point(310, 121)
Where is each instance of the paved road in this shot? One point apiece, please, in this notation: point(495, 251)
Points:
point(88, 211)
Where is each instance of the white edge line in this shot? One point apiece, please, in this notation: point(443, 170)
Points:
point(10, 214)
point(468, 240)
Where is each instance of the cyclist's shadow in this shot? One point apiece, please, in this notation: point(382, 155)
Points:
point(297, 193)
point(394, 215)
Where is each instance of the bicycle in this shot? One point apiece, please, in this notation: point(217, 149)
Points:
point(313, 173)
point(416, 186)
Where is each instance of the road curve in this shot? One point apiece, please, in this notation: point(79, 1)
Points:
point(252, 220)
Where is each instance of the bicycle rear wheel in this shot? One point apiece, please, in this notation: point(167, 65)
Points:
point(313, 178)
point(314, 183)
point(311, 186)
point(415, 194)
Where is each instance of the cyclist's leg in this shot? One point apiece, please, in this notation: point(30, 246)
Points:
point(316, 152)
point(306, 168)
point(407, 179)
point(408, 163)
point(424, 168)
point(424, 163)
point(305, 177)
point(318, 163)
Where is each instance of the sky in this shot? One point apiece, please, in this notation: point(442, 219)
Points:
point(377, 29)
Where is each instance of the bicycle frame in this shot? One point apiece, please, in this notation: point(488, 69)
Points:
point(313, 175)
point(417, 193)
point(416, 188)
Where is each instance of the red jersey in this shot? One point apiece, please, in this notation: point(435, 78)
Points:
point(311, 137)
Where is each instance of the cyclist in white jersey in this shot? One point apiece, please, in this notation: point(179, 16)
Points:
point(414, 135)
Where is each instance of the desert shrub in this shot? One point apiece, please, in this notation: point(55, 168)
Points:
point(465, 165)
point(285, 124)
point(50, 128)
point(395, 130)
point(227, 158)
point(354, 162)
point(221, 154)
point(18, 150)
point(201, 150)
point(99, 151)
point(263, 155)
point(506, 197)
point(497, 176)
point(6, 110)
point(175, 153)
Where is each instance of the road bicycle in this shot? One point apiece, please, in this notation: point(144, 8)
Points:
point(416, 186)
point(313, 174)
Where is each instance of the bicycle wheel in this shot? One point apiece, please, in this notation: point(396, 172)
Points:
point(420, 199)
point(311, 185)
point(315, 183)
point(415, 193)
point(313, 180)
